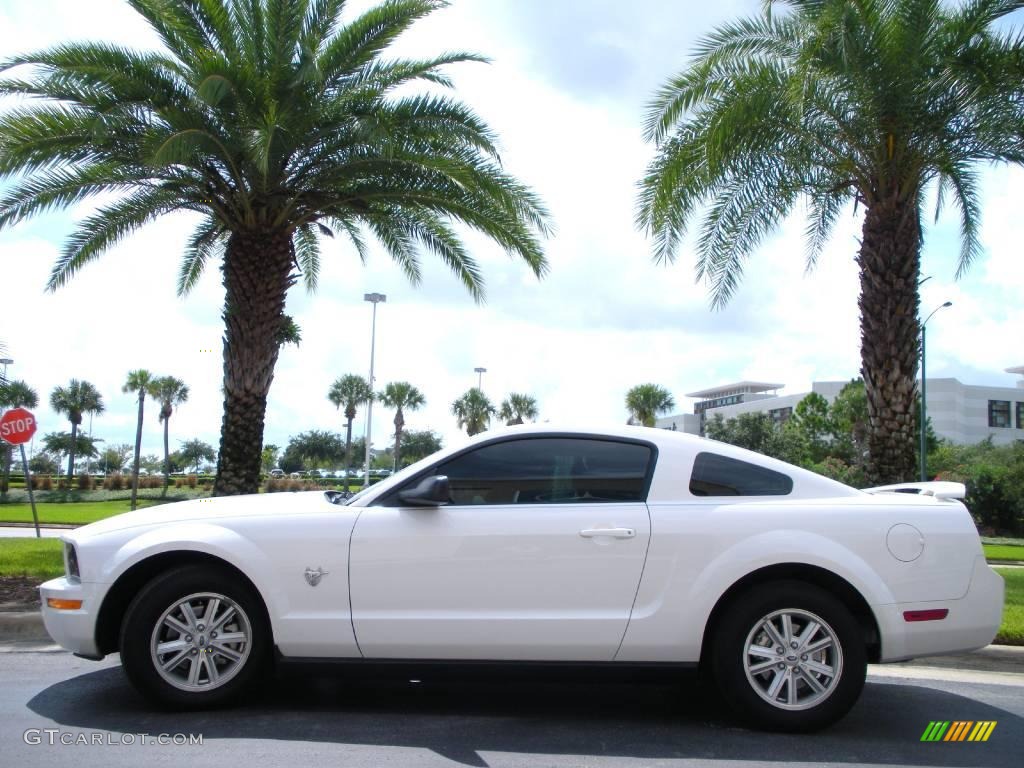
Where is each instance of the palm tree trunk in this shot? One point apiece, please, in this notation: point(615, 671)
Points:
point(348, 450)
point(167, 457)
point(138, 447)
point(71, 453)
point(399, 423)
point(257, 275)
point(8, 456)
point(890, 265)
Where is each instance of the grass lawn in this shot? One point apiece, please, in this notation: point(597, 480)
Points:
point(1003, 552)
point(83, 512)
point(1012, 630)
point(39, 558)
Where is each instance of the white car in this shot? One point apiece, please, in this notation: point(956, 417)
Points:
point(626, 546)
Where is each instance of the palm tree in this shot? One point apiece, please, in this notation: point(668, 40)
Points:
point(277, 123)
point(875, 102)
point(74, 400)
point(349, 392)
point(401, 395)
point(516, 408)
point(13, 394)
point(473, 411)
point(169, 392)
point(140, 381)
point(646, 401)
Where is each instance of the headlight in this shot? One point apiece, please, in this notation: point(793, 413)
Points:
point(71, 561)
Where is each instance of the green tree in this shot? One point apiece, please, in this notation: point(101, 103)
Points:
point(517, 408)
point(269, 457)
point(141, 382)
point(473, 411)
point(645, 401)
point(194, 451)
point(169, 392)
point(115, 457)
point(13, 394)
point(812, 422)
point(348, 393)
point(277, 122)
point(401, 395)
point(74, 400)
point(418, 444)
point(69, 444)
point(317, 448)
point(43, 463)
point(873, 102)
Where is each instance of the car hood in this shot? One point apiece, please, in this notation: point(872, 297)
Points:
point(206, 510)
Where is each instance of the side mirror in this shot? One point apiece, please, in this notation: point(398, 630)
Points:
point(429, 492)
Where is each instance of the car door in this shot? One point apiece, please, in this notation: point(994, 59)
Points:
point(538, 555)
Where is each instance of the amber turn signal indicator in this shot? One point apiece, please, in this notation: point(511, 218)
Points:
point(63, 605)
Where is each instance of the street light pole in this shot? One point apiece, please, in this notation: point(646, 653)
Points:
point(922, 459)
point(374, 298)
point(5, 362)
point(480, 378)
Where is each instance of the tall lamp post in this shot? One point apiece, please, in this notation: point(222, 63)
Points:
point(5, 362)
point(375, 299)
point(924, 389)
point(480, 377)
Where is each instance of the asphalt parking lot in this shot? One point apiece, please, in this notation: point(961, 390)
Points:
point(325, 717)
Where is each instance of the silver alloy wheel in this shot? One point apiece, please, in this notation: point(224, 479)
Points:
point(793, 659)
point(201, 642)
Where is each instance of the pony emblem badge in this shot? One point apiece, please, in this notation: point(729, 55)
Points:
point(313, 576)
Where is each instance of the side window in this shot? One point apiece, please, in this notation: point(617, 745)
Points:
point(715, 475)
point(549, 471)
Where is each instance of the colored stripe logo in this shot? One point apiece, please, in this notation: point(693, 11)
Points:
point(958, 730)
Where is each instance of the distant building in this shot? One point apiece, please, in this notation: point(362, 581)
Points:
point(960, 413)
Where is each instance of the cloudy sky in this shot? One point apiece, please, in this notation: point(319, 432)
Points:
point(566, 92)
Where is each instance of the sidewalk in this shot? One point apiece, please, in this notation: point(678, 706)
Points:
point(20, 531)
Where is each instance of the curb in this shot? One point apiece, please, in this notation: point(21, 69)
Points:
point(22, 524)
point(22, 625)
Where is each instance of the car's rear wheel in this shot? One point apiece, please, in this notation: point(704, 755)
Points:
point(789, 656)
point(194, 637)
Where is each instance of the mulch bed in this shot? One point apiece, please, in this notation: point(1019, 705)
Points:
point(19, 593)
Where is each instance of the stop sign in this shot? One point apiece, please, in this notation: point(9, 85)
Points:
point(17, 426)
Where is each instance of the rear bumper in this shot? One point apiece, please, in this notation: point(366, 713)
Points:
point(72, 629)
point(972, 622)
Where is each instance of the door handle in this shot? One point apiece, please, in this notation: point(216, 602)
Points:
point(617, 533)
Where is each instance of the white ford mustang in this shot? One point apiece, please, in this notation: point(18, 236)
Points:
point(624, 546)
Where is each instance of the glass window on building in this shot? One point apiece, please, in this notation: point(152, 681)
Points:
point(1020, 415)
point(780, 416)
point(999, 413)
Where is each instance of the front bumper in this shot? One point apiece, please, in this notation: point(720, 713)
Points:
point(72, 629)
point(972, 622)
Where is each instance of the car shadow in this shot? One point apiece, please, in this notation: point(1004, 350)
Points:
point(463, 718)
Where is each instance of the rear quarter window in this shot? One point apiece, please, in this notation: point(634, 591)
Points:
point(715, 475)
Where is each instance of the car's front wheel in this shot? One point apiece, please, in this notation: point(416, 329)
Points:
point(194, 637)
point(789, 656)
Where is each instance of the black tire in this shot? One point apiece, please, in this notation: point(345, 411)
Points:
point(139, 627)
point(741, 692)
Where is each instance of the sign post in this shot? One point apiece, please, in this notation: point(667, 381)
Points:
point(16, 428)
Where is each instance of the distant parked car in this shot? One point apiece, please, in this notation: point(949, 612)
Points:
point(277, 472)
point(623, 546)
point(295, 475)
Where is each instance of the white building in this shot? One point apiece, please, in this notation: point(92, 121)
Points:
point(960, 413)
